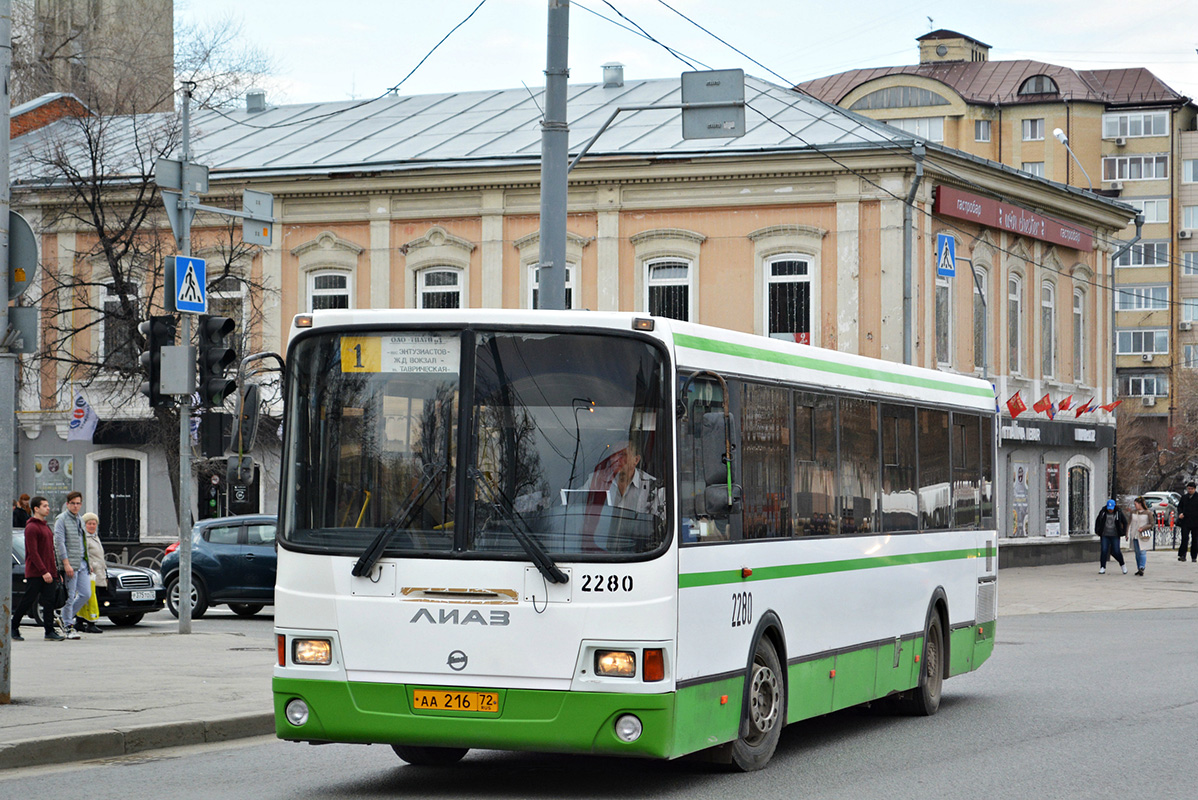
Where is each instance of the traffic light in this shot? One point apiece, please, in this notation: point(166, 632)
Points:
point(214, 358)
point(158, 332)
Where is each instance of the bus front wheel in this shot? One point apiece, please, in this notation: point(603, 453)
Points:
point(766, 712)
point(421, 756)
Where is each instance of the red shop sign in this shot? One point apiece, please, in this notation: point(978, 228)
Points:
point(951, 202)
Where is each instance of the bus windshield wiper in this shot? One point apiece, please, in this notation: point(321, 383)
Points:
point(401, 520)
point(521, 531)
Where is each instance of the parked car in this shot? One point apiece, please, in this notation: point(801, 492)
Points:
point(1162, 501)
point(233, 561)
point(131, 593)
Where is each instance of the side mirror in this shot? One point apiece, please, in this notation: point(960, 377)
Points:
point(245, 419)
point(717, 502)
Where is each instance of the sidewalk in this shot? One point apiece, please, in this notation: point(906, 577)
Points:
point(129, 690)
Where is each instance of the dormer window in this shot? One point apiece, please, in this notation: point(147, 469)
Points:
point(1039, 84)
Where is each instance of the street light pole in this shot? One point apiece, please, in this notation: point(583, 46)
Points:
point(1063, 139)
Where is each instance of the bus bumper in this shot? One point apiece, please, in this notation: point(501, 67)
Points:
point(544, 721)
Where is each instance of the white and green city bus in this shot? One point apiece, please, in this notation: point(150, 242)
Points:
point(601, 533)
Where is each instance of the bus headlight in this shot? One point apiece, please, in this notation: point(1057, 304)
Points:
point(615, 663)
point(628, 728)
point(312, 651)
point(297, 713)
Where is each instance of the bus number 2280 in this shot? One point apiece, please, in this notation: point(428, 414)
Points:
point(742, 609)
point(606, 583)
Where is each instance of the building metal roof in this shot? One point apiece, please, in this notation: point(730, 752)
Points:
point(462, 129)
point(998, 82)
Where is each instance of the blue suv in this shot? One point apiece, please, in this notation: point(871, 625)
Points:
point(233, 562)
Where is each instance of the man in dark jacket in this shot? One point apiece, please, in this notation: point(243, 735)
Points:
point(40, 570)
point(1110, 526)
point(1187, 518)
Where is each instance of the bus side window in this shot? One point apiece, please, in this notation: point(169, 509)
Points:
point(708, 506)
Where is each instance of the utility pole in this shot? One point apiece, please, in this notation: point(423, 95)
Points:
point(8, 366)
point(185, 402)
point(555, 146)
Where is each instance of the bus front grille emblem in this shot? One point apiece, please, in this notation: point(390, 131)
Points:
point(457, 661)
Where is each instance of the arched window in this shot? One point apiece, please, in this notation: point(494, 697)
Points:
point(944, 321)
point(1014, 322)
point(1079, 336)
point(979, 317)
point(1048, 327)
point(439, 287)
point(329, 289)
point(788, 298)
point(668, 289)
point(899, 97)
point(1039, 84)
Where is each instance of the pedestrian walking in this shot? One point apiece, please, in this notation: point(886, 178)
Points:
point(70, 547)
point(1187, 519)
point(1111, 526)
point(40, 572)
point(96, 563)
point(1139, 530)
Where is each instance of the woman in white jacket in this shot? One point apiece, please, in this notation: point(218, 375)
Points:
point(1139, 530)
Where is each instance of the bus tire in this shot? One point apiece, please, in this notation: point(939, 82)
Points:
point(765, 714)
point(421, 756)
point(924, 699)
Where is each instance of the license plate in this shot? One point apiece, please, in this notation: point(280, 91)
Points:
point(425, 700)
point(135, 596)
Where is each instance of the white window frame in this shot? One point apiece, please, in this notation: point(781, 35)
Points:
point(347, 290)
point(981, 130)
point(1150, 384)
point(772, 280)
point(652, 283)
point(1189, 170)
point(534, 284)
point(1189, 309)
point(1033, 168)
point(1138, 341)
point(930, 128)
point(1153, 210)
point(1147, 167)
point(1015, 322)
point(1079, 336)
point(1135, 257)
point(1142, 298)
point(1191, 356)
point(1048, 330)
point(423, 289)
point(1189, 217)
point(1132, 126)
point(1033, 129)
point(1189, 263)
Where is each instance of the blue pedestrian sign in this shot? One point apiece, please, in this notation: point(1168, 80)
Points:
point(191, 285)
point(946, 255)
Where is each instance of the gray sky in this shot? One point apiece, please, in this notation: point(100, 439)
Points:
point(360, 48)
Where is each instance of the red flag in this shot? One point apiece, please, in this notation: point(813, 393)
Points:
point(1064, 404)
point(1016, 405)
point(1042, 405)
point(1110, 406)
point(1084, 408)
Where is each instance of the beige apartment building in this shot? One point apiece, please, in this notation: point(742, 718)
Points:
point(795, 230)
point(1133, 138)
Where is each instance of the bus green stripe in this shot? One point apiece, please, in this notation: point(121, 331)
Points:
point(820, 365)
point(691, 580)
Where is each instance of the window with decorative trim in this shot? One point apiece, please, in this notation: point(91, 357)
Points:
point(534, 285)
point(1079, 336)
point(1014, 323)
point(668, 288)
point(979, 315)
point(788, 298)
point(329, 288)
point(439, 287)
point(1048, 330)
point(120, 350)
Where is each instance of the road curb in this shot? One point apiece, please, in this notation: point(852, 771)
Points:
point(125, 741)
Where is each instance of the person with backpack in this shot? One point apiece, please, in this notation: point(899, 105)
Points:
point(1111, 526)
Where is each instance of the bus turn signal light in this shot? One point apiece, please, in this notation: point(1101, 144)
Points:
point(282, 650)
point(654, 665)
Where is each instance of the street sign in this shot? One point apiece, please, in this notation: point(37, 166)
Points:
point(722, 93)
point(23, 320)
point(190, 285)
point(946, 255)
point(169, 173)
point(171, 201)
point(257, 227)
point(22, 255)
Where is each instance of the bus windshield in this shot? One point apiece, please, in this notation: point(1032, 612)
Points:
point(564, 442)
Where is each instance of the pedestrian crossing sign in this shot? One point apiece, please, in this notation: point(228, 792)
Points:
point(190, 285)
point(946, 255)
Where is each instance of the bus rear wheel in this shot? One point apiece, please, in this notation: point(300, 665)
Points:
point(924, 699)
point(766, 712)
point(421, 756)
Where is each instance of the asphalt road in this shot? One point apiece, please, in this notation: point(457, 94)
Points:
point(1093, 705)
